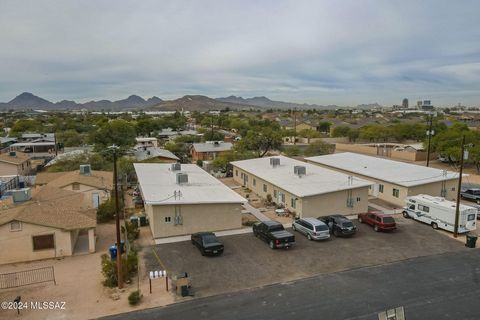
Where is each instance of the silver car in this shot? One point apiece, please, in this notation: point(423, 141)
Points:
point(313, 228)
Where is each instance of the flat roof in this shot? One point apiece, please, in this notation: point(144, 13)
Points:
point(152, 152)
point(212, 146)
point(316, 181)
point(158, 186)
point(396, 172)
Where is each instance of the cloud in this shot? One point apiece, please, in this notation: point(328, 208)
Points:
point(322, 52)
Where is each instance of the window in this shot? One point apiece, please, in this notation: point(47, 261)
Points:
point(43, 242)
point(453, 189)
point(411, 207)
point(15, 226)
point(282, 197)
point(75, 186)
point(380, 188)
point(423, 208)
point(241, 175)
point(293, 203)
point(254, 182)
point(358, 199)
point(275, 195)
point(236, 173)
point(396, 193)
point(168, 219)
point(264, 188)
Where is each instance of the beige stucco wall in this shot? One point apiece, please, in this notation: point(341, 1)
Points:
point(88, 191)
point(17, 246)
point(8, 169)
point(433, 189)
point(196, 218)
point(314, 206)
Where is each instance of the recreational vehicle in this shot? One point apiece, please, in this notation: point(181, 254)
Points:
point(440, 213)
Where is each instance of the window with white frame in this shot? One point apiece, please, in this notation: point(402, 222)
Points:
point(15, 226)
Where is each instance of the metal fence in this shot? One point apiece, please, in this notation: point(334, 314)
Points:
point(27, 277)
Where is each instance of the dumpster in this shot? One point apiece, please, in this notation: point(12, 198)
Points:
point(471, 240)
point(113, 252)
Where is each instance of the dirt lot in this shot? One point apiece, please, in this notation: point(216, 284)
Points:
point(248, 262)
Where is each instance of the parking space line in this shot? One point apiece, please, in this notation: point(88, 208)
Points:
point(158, 259)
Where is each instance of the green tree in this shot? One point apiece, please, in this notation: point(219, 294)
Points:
point(118, 132)
point(261, 141)
point(324, 126)
point(319, 148)
point(292, 151)
point(340, 131)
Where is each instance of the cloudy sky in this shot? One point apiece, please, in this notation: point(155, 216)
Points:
point(325, 52)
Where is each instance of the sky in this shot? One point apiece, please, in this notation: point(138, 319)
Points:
point(325, 52)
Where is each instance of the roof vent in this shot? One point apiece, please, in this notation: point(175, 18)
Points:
point(12, 153)
point(85, 170)
point(300, 170)
point(274, 162)
point(216, 143)
point(182, 178)
point(176, 167)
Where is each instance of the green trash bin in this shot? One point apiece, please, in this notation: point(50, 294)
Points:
point(471, 240)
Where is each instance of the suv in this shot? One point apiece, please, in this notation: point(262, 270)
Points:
point(472, 194)
point(207, 243)
point(378, 220)
point(313, 228)
point(339, 225)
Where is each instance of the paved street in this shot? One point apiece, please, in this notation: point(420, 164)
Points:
point(445, 286)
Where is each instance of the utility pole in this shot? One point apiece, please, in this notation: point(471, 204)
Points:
point(55, 141)
point(295, 125)
point(430, 133)
point(117, 219)
point(457, 208)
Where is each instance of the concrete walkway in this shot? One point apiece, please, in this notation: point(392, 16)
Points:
point(217, 233)
point(249, 209)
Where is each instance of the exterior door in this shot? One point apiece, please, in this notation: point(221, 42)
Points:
point(95, 200)
point(375, 190)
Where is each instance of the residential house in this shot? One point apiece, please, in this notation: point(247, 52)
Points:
point(147, 153)
point(209, 150)
point(15, 163)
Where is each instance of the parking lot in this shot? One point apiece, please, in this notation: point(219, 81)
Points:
point(248, 262)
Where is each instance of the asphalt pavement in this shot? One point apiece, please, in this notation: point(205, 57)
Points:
point(444, 286)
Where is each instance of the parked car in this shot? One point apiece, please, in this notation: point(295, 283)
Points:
point(312, 228)
point(274, 234)
point(379, 221)
point(339, 225)
point(472, 194)
point(207, 243)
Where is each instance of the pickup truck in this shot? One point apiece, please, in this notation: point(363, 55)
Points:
point(472, 194)
point(274, 234)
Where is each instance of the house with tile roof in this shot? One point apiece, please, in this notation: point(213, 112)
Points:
point(52, 224)
point(15, 163)
point(95, 185)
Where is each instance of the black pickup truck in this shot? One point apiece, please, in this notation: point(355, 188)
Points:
point(274, 234)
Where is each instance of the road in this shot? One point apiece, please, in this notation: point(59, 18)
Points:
point(445, 286)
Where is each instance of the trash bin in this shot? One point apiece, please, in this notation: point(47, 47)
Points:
point(471, 240)
point(113, 252)
point(143, 221)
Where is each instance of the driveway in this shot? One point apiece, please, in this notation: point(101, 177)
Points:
point(248, 262)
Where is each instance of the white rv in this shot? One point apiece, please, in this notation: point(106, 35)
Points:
point(440, 213)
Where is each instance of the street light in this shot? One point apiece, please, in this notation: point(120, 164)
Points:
point(115, 148)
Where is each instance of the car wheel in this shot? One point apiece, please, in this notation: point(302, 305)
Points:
point(272, 245)
point(255, 234)
point(360, 220)
point(309, 237)
point(405, 215)
point(202, 251)
point(293, 227)
point(375, 227)
point(335, 232)
point(434, 225)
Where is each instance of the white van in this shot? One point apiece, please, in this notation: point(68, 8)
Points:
point(440, 213)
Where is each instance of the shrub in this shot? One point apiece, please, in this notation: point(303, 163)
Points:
point(132, 231)
point(109, 271)
point(132, 262)
point(134, 298)
point(269, 198)
point(200, 163)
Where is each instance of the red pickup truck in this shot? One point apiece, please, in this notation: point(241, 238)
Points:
point(379, 221)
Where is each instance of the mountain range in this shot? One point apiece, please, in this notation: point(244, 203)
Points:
point(29, 101)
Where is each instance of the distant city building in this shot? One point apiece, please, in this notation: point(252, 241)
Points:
point(425, 105)
point(405, 103)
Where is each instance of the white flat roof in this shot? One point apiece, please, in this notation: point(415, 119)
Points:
point(158, 186)
point(396, 172)
point(317, 180)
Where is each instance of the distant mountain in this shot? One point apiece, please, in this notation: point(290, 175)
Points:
point(199, 103)
point(26, 101)
point(369, 106)
point(264, 102)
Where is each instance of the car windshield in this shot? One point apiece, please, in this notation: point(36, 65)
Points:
point(346, 224)
point(388, 220)
point(210, 238)
point(321, 228)
point(476, 192)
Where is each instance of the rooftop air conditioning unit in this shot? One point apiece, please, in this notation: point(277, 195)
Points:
point(85, 169)
point(274, 162)
point(176, 167)
point(12, 153)
point(21, 195)
point(182, 178)
point(300, 170)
